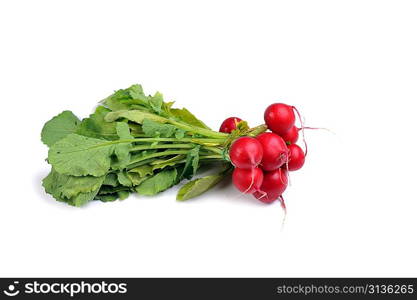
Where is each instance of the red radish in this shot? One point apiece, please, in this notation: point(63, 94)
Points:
point(291, 136)
point(273, 185)
point(246, 152)
point(275, 151)
point(279, 117)
point(247, 181)
point(296, 157)
point(229, 124)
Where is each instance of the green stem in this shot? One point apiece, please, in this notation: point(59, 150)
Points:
point(213, 149)
point(138, 135)
point(158, 154)
point(182, 161)
point(166, 153)
point(257, 130)
point(200, 141)
point(162, 146)
point(179, 161)
point(211, 156)
point(164, 161)
point(139, 163)
point(174, 146)
point(194, 129)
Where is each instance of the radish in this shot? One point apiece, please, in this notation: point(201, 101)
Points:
point(291, 136)
point(296, 157)
point(229, 124)
point(275, 151)
point(247, 181)
point(279, 117)
point(273, 185)
point(246, 152)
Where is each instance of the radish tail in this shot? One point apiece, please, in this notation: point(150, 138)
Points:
point(302, 129)
point(264, 194)
point(288, 173)
point(251, 183)
point(318, 128)
point(282, 202)
point(284, 208)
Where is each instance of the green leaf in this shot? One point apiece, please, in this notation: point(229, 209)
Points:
point(59, 127)
point(126, 98)
point(111, 180)
point(79, 156)
point(142, 171)
point(186, 116)
point(82, 199)
point(136, 178)
point(136, 116)
point(158, 183)
point(106, 189)
point(123, 195)
point(73, 190)
point(114, 102)
point(161, 164)
point(124, 179)
point(68, 186)
point(165, 160)
point(135, 128)
point(156, 102)
point(155, 129)
point(166, 108)
point(198, 186)
point(191, 163)
point(136, 92)
point(123, 131)
point(112, 194)
point(122, 150)
point(139, 174)
point(107, 198)
point(179, 134)
point(95, 126)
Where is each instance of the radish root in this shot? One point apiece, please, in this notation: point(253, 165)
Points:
point(284, 208)
point(302, 128)
point(251, 183)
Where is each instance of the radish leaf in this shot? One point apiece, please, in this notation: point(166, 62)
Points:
point(79, 156)
point(73, 190)
point(198, 186)
point(95, 126)
point(158, 183)
point(186, 116)
point(136, 116)
point(59, 127)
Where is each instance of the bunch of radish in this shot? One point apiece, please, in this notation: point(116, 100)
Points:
point(261, 163)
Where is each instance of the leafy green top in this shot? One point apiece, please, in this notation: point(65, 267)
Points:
point(131, 143)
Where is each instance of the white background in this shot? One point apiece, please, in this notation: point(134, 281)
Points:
point(350, 66)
